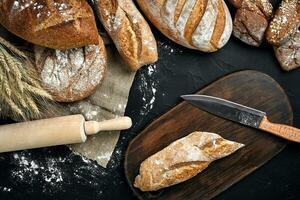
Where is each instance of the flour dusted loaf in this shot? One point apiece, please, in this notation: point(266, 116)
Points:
point(285, 22)
point(57, 24)
point(288, 54)
point(251, 20)
point(72, 74)
point(283, 33)
point(182, 160)
point(205, 25)
point(129, 31)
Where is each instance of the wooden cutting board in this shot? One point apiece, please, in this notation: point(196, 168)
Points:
point(250, 88)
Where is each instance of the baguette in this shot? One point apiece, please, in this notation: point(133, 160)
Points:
point(182, 160)
point(129, 31)
point(56, 24)
point(204, 25)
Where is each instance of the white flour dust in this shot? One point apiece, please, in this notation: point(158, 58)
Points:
point(147, 87)
point(51, 172)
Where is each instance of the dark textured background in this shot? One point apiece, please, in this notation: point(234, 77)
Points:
point(178, 71)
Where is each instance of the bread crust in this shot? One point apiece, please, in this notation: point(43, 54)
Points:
point(205, 25)
point(251, 20)
point(56, 24)
point(72, 74)
point(182, 160)
point(285, 23)
point(129, 31)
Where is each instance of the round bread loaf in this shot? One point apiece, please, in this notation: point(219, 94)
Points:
point(205, 25)
point(72, 74)
point(57, 24)
point(288, 54)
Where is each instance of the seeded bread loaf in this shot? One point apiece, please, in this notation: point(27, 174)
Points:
point(285, 22)
point(205, 25)
point(57, 24)
point(251, 20)
point(128, 30)
point(182, 160)
point(71, 74)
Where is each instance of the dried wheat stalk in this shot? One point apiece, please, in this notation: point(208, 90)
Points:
point(21, 95)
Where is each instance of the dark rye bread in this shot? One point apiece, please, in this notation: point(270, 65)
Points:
point(204, 25)
point(129, 31)
point(57, 24)
point(288, 54)
point(251, 20)
point(285, 22)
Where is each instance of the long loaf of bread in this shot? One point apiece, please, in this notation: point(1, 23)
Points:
point(182, 160)
point(205, 25)
point(129, 31)
point(57, 24)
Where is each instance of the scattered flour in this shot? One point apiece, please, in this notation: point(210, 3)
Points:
point(147, 87)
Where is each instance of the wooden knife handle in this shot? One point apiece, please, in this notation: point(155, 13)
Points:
point(280, 130)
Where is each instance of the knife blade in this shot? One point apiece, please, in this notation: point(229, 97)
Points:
point(242, 114)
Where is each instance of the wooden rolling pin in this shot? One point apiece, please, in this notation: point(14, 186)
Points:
point(54, 131)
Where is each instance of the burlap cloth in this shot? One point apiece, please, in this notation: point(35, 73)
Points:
point(109, 101)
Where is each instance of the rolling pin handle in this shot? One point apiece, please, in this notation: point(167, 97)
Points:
point(93, 127)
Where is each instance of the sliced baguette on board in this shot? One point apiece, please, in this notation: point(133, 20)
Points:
point(182, 160)
point(205, 25)
point(56, 24)
point(128, 30)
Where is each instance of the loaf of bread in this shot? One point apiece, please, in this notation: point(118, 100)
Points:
point(71, 74)
point(251, 20)
point(57, 24)
point(129, 31)
point(205, 25)
point(182, 160)
point(285, 22)
point(288, 54)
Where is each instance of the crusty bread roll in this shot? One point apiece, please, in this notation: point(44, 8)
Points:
point(182, 160)
point(129, 31)
point(205, 25)
point(285, 22)
point(57, 24)
point(288, 54)
point(72, 74)
point(251, 20)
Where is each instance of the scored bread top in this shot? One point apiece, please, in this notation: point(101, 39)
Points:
point(72, 74)
point(129, 31)
point(205, 25)
point(57, 24)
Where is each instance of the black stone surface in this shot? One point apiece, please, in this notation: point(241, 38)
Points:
point(179, 71)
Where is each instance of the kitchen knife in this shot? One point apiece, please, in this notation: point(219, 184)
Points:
point(243, 115)
point(55, 131)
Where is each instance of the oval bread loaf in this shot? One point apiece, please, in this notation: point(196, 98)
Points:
point(182, 160)
point(57, 24)
point(285, 22)
point(129, 31)
point(72, 74)
point(205, 25)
